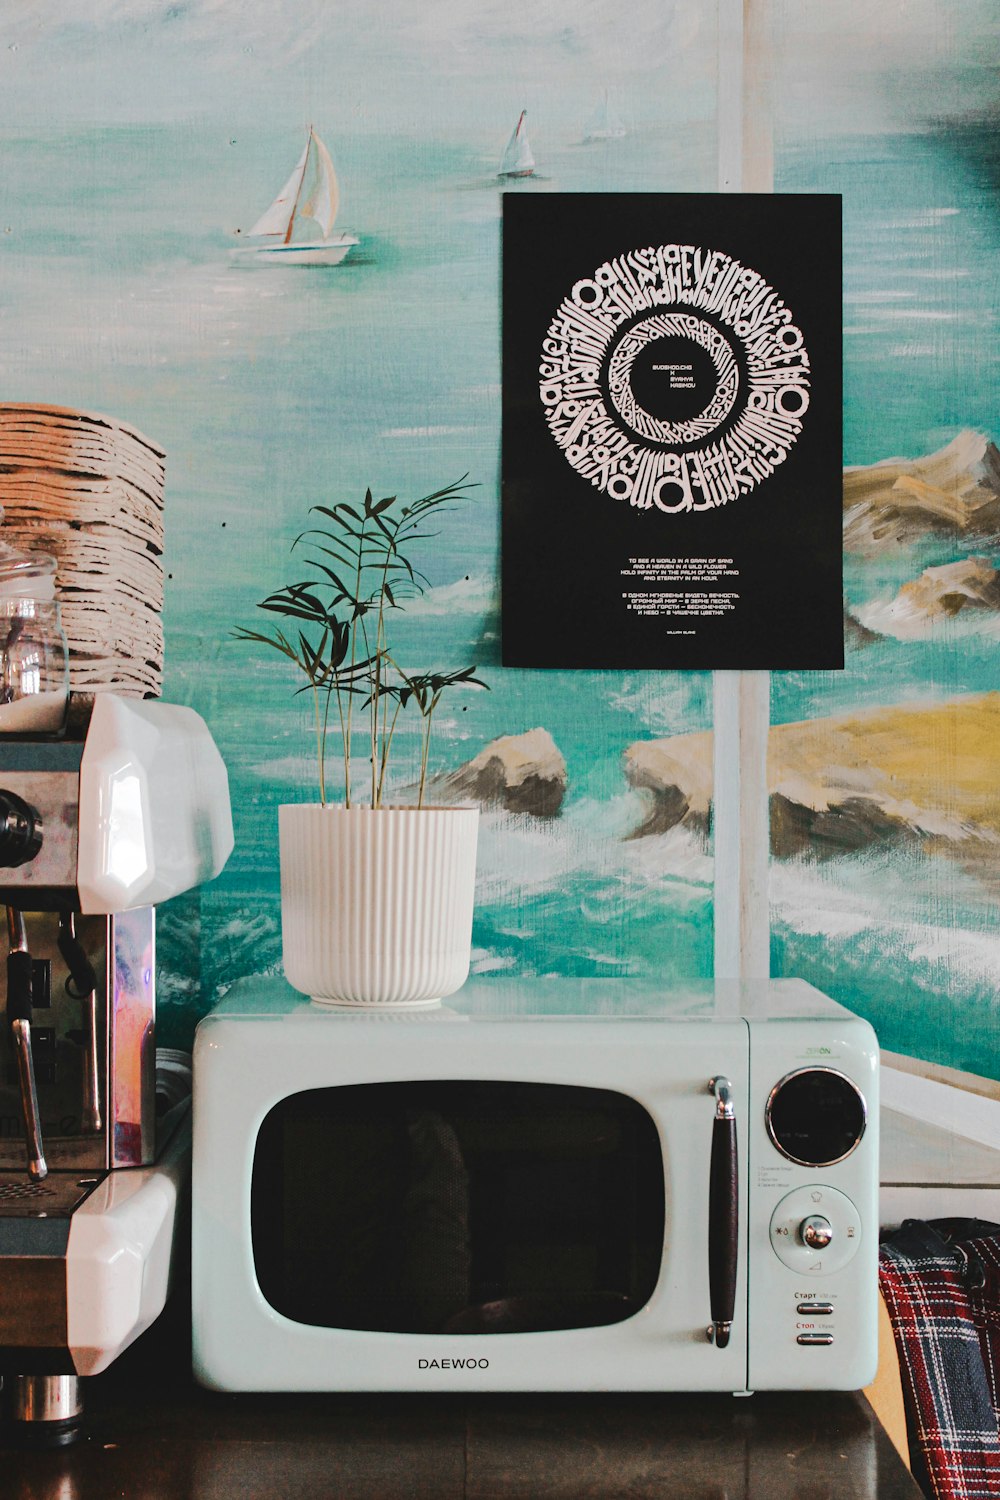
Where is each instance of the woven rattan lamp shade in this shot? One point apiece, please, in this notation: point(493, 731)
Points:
point(89, 489)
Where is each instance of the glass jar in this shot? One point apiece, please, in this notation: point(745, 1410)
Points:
point(34, 657)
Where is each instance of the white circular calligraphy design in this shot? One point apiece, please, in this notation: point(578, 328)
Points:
point(738, 411)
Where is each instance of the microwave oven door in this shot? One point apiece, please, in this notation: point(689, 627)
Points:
point(515, 1205)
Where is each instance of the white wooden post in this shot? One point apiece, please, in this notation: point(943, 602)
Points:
point(742, 700)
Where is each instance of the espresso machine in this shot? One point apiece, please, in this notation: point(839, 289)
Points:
point(128, 807)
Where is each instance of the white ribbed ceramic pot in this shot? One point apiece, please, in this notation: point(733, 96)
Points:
point(376, 906)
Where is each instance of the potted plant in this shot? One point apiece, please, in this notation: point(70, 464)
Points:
point(376, 900)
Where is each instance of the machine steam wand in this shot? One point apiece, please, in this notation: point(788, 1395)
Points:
point(82, 986)
point(19, 1016)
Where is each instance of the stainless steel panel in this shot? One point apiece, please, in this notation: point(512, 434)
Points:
point(63, 1057)
point(132, 1103)
point(55, 795)
point(95, 1061)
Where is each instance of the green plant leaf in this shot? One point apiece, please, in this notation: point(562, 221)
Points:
point(295, 612)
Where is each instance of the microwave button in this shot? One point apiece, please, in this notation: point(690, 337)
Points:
point(817, 1309)
point(814, 1338)
point(816, 1232)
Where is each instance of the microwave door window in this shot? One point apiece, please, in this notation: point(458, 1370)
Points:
point(458, 1207)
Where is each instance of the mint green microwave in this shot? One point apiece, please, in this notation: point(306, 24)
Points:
point(539, 1185)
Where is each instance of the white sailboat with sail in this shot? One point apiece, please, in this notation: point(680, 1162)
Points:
point(296, 229)
point(604, 124)
point(517, 158)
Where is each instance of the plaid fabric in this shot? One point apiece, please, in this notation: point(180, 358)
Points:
point(941, 1284)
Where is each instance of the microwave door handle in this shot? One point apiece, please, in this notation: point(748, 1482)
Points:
point(723, 1214)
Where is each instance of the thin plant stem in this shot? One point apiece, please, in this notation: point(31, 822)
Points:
point(379, 697)
point(386, 742)
point(320, 746)
point(380, 645)
point(377, 693)
point(386, 747)
point(372, 714)
point(354, 643)
point(425, 749)
point(343, 736)
point(326, 731)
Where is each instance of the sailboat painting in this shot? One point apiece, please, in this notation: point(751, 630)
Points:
point(517, 158)
point(604, 124)
point(296, 229)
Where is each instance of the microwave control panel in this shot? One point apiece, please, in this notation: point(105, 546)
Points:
point(811, 1223)
point(813, 1219)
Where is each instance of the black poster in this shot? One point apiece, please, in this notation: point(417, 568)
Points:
point(672, 430)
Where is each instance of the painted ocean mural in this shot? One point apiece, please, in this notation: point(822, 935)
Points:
point(132, 173)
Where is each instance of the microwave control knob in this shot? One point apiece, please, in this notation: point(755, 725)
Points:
point(816, 1232)
point(20, 830)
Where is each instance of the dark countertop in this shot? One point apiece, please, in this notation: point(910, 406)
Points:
point(182, 1443)
point(165, 1439)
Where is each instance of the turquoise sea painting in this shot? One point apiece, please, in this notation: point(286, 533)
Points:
point(143, 141)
